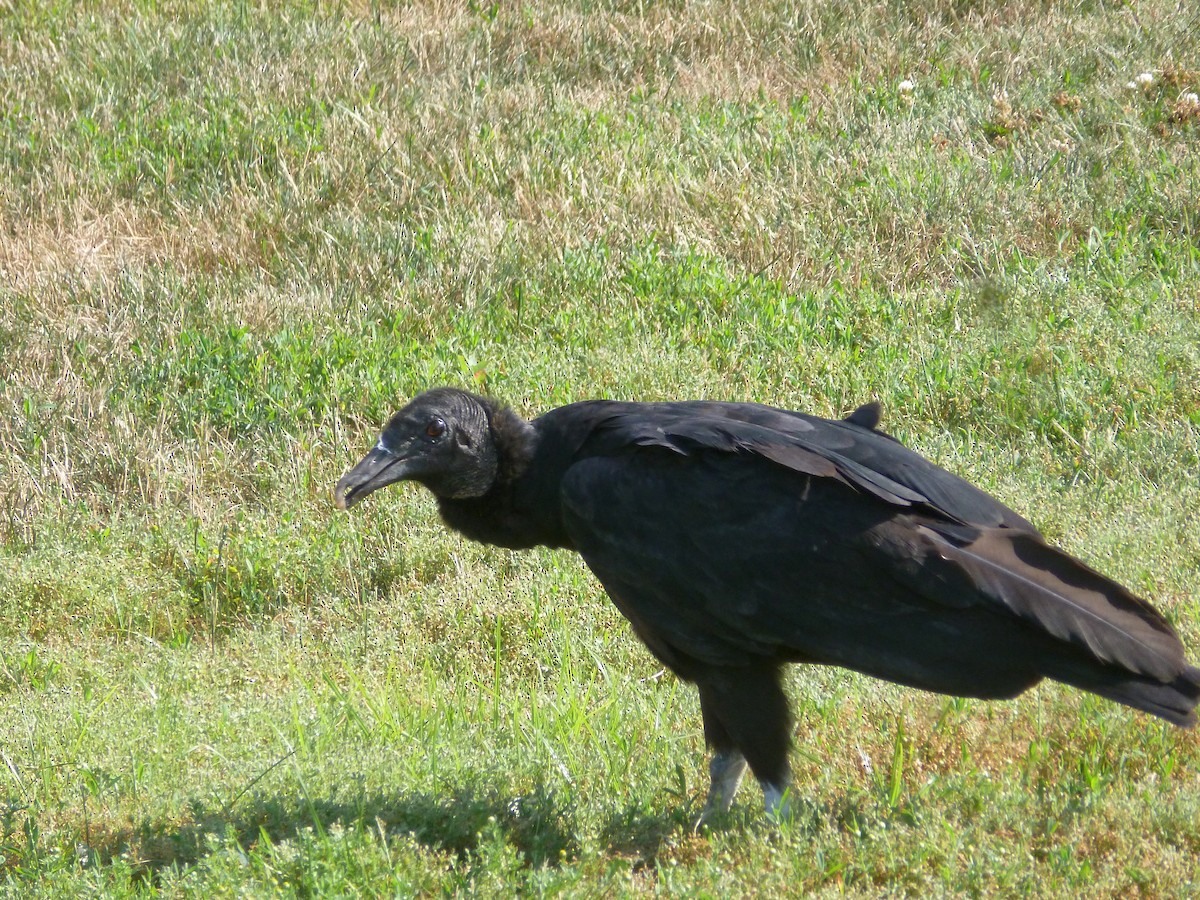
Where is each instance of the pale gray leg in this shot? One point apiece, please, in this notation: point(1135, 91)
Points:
point(777, 800)
point(726, 771)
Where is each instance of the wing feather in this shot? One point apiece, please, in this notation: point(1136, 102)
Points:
point(1060, 594)
point(848, 450)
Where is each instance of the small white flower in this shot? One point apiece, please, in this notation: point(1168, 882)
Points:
point(1190, 99)
point(906, 86)
point(1145, 79)
point(1131, 85)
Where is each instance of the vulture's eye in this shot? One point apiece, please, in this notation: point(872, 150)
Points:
point(436, 428)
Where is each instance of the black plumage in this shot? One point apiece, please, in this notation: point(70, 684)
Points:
point(737, 537)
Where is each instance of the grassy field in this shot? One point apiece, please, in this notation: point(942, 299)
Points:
point(234, 236)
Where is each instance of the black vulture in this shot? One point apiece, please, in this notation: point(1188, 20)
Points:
point(737, 537)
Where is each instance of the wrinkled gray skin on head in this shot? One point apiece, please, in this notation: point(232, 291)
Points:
point(442, 440)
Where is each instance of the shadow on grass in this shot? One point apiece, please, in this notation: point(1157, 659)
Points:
point(640, 836)
point(649, 838)
point(534, 823)
point(455, 821)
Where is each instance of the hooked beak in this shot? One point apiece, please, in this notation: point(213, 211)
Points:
point(377, 469)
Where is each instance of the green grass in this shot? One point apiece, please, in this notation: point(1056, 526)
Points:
point(233, 238)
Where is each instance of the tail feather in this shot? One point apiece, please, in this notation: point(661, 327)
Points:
point(1174, 701)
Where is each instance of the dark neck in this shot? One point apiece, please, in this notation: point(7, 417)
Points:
point(515, 441)
point(521, 509)
point(502, 518)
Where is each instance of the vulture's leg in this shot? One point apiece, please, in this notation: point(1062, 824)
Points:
point(726, 767)
point(749, 713)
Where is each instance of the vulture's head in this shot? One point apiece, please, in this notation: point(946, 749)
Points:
point(442, 439)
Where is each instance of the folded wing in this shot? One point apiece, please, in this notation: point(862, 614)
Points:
point(724, 540)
